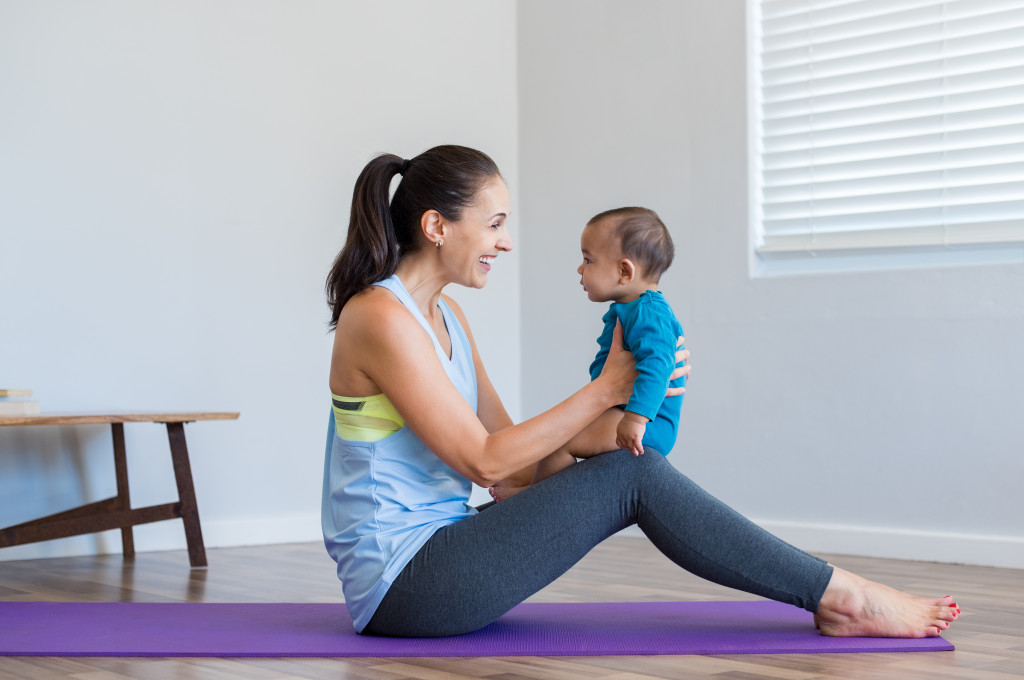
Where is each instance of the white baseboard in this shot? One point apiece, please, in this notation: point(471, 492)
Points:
point(899, 544)
point(170, 535)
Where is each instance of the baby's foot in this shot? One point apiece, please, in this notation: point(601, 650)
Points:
point(855, 607)
point(501, 493)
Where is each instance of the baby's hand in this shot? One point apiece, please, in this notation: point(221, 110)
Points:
point(629, 434)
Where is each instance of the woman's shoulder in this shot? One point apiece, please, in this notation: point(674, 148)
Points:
point(373, 310)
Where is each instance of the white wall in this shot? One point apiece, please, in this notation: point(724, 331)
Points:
point(873, 413)
point(175, 181)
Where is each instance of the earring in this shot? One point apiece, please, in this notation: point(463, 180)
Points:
point(439, 243)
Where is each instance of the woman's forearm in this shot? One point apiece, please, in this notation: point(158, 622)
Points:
point(514, 448)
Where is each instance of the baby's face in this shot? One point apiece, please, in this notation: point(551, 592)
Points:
point(599, 272)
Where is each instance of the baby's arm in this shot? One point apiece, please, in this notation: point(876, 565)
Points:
point(629, 434)
point(652, 339)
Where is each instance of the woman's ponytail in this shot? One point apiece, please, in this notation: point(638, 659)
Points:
point(381, 231)
point(371, 248)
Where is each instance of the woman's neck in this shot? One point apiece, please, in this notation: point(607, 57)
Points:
point(422, 281)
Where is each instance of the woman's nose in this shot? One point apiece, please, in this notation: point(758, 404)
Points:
point(504, 241)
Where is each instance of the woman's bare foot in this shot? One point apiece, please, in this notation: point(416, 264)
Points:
point(855, 607)
point(500, 492)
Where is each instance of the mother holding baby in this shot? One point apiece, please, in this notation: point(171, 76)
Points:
point(416, 422)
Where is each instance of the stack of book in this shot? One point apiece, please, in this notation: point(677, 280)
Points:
point(15, 403)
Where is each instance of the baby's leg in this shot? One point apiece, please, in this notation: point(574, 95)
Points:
point(598, 437)
point(553, 464)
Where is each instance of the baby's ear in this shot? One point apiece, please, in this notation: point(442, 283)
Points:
point(627, 271)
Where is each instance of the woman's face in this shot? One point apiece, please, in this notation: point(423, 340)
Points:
point(599, 272)
point(478, 238)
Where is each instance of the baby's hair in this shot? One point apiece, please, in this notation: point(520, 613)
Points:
point(644, 238)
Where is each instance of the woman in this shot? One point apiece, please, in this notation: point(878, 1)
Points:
point(416, 420)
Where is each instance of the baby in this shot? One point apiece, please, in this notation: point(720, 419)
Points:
point(625, 252)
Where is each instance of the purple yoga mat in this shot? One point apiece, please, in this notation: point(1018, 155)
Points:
point(291, 630)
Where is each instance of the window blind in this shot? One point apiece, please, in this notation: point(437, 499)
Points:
point(888, 123)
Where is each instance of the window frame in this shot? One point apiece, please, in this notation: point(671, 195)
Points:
point(856, 250)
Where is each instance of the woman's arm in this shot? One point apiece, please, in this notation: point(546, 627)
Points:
point(398, 357)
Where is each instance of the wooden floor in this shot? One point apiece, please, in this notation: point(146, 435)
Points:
point(989, 636)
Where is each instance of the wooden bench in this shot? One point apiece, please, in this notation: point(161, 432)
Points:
point(116, 512)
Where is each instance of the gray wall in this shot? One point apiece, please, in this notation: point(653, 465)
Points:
point(876, 413)
point(175, 180)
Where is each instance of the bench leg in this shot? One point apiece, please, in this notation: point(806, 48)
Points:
point(123, 498)
point(186, 494)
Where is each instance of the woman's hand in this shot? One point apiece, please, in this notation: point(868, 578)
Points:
point(619, 368)
point(682, 356)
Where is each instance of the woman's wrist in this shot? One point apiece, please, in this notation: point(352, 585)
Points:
point(607, 394)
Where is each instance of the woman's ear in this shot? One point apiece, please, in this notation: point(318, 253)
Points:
point(627, 271)
point(433, 226)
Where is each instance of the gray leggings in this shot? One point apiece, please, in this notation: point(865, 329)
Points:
point(473, 571)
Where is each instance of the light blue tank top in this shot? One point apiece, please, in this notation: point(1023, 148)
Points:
point(382, 500)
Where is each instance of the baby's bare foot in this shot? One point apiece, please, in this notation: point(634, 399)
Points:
point(855, 607)
point(501, 493)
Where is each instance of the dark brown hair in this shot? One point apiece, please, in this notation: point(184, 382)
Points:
point(380, 231)
point(643, 237)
